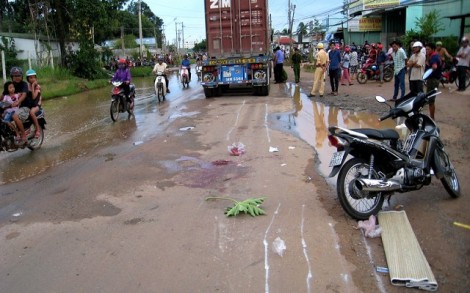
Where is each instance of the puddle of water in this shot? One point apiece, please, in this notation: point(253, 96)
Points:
point(309, 120)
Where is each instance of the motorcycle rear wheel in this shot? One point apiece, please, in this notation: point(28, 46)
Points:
point(361, 78)
point(449, 180)
point(467, 80)
point(160, 92)
point(358, 204)
point(114, 110)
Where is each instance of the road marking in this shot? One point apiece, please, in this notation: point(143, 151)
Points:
point(371, 260)
point(266, 122)
point(265, 242)
point(236, 120)
point(304, 247)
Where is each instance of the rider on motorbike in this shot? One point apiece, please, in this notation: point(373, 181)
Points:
point(186, 63)
point(123, 75)
point(162, 67)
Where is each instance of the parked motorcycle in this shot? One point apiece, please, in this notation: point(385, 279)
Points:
point(382, 164)
point(119, 102)
point(372, 72)
point(160, 86)
point(8, 132)
point(184, 76)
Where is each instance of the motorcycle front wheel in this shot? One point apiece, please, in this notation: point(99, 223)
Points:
point(449, 180)
point(357, 203)
point(114, 110)
point(361, 78)
point(35, 142)
point(388, 75)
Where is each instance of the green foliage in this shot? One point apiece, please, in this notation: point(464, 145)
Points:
point(141, 71)
point(248, 206)
point(427, 26)
point(201, 46)
point(8, 45)
point(85, 63)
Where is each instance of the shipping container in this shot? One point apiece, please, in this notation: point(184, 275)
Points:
point(236, 27)
point(237, 34)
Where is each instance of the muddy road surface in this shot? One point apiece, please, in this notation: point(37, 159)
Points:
point(121, 207)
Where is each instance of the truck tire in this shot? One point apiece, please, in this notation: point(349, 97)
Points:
point(208, 92)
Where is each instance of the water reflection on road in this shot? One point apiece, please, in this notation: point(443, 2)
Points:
point(310, 120)
point(79, 124)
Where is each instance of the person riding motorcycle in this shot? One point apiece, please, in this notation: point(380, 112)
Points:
point(185, 62)
point(123, 75)
point(162, 67)
point(21, 87)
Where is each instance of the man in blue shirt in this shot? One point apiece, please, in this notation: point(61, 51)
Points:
point(186, 63)
point(434, 62)
point(334, 69)
point(279, 62)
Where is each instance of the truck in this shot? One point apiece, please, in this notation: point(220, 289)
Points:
point(238, 47)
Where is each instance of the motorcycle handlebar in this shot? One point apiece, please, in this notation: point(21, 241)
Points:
point(386, 116)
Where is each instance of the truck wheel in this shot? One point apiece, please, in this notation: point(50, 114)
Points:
point(209, 92)
point(265, 90)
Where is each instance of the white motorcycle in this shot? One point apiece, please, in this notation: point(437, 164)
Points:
point(160, 86)
point(184, 76)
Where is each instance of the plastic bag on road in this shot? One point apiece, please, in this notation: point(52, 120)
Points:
point(236, 149)
point(370, 228)
point(279, 246)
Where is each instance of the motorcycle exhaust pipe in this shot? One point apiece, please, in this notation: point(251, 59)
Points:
point(365, 184)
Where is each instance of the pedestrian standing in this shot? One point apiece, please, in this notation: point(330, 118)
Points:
point(399, 65)
point(381, 58)
point(320, 70)
point(354, 63)
point(345, 77)
point(416, 65)
point(462, 66)
point(296, 60)
point(278, 64)
point(432, 82)
point(334, 68)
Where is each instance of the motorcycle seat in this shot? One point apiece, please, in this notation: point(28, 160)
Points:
point(379, 134)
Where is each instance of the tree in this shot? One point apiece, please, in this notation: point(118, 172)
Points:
point(201, 46)
point(301, 31)
point(427, 26)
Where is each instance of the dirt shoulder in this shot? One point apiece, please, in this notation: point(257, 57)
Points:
point(431, 211)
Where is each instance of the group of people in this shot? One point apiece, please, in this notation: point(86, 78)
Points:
point(25, 100)
point(341, 67)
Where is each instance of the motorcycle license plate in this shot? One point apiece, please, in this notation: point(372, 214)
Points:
point(337, 159)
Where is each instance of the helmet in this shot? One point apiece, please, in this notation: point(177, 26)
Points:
point(438, 43)
point(160, 58)
point(417, 44)
point(373, 45)
point(347, 49)
point(374, 67)
point(464, 40)
point(380, 46)
point(16, 71)
point(320, 46)
point(31, 72)
point(122, 61)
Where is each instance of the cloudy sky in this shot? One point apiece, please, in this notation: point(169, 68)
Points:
point(191, 14)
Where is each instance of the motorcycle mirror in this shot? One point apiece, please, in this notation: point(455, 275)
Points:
point(427, 73)
point(380, 99)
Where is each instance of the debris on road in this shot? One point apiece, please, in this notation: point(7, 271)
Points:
point(273, 149)
point(248, 206)
point(370, 228)
point(279, 246)
point(236, 149)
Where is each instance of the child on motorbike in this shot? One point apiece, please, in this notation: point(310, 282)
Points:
point(123, 75)
point(12, 98)
point(33, 99)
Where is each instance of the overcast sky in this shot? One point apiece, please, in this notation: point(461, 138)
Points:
point(191, 13)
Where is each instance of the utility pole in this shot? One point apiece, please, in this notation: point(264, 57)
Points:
point(291, 20)
point(140, 29)
point(182, 32)
point(122, 41)
point(176, 31)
